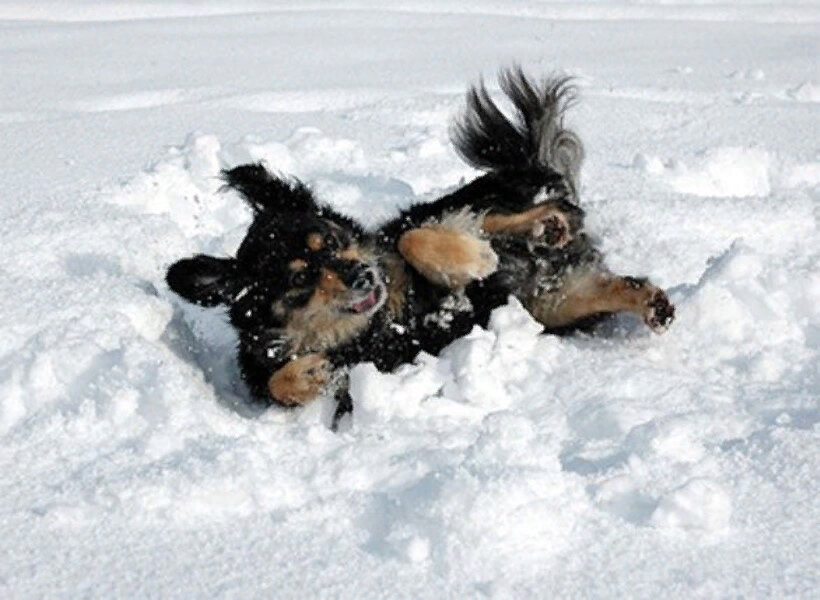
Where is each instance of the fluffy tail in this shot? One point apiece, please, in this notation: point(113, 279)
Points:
point(265, 191)
point(535, 137)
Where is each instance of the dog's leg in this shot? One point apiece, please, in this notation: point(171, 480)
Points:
point(300, 380)
point(545, 221)
point(594, 292)
point(448, 256)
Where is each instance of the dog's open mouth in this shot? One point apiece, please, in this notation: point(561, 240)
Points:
point(370, 302)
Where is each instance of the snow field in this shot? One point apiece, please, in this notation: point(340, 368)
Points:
point(514, 464)
point(497, 449)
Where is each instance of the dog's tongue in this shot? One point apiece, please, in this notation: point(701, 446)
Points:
point(366, 303)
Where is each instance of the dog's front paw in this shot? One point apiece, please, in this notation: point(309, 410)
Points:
point(300, 380)
point(660, 312)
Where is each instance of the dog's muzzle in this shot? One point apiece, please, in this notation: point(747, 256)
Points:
point(362, 278)
point(366, 284)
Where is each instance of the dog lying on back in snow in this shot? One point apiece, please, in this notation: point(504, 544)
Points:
point(310, 292)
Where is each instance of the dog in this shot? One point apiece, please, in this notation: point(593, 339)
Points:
point(310, 292)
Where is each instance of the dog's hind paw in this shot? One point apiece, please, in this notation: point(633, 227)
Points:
point(553, 230)
point(545, 224)
point(660, 312)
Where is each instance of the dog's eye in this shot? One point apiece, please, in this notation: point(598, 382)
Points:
point(331, 242)
point(297, 298)
point(299, 278)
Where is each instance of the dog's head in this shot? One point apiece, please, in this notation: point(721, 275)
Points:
point(302, 268)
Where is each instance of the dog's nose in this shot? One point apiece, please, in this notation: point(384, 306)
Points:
point(363, 278)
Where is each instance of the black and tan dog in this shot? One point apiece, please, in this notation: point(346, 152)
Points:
point(310, 291)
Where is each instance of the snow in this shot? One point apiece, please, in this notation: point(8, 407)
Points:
point(513, 464)
point(698, 504)
point(724, 172)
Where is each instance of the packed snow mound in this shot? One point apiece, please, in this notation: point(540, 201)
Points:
point(750, 306)
point(468, 379)
point(730, 172)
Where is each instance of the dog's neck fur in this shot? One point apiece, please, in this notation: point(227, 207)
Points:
point(320, 330)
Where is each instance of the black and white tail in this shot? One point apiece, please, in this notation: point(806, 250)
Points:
point(535, 136)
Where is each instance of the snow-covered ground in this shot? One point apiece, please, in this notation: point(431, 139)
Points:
point(514, 465)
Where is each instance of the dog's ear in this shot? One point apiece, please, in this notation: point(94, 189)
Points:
point(205, 280)
point(265, 191)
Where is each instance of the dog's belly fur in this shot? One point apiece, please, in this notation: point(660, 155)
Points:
point(542, 277)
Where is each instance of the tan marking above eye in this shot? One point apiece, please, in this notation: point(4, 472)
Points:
point(330, 284)
point(297, 264)
point(315, 241)
point(349, 253)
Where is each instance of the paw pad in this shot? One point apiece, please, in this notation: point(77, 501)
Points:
point(553, 230)
point(660, 312)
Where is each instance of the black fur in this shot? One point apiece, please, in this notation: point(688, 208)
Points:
point(206, 280)
point(489, 140)
point(265, 192)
